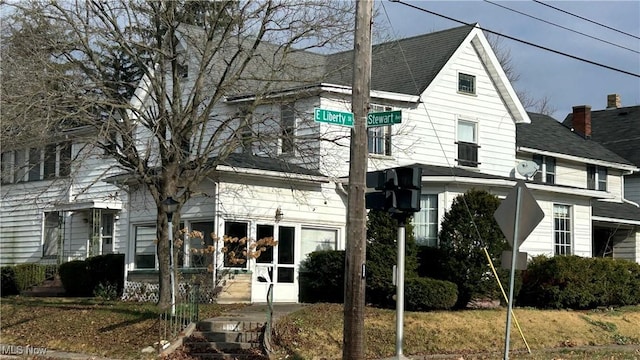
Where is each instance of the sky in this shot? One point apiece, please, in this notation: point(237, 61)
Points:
point(565, 81)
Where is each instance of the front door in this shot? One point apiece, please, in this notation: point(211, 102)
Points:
point(277, 264)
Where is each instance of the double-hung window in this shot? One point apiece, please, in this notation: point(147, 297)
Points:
point(379, 138)
point(467, 143)
point(596, 178)
point(547, 169)
point(287, 124)
point(425, 222)
point(35, 164)
point(562, 229)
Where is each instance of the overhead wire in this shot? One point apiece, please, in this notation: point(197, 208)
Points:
point(585, 19)
point(521, 41)
point(560, 26)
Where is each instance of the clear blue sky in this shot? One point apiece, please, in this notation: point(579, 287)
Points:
point(567, 82)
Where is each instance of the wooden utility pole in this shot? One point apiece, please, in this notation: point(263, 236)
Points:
point(354, 297)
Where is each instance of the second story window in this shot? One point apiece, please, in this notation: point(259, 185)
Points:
point(379, 138)
point(547, 169)
point(467, 144)
point(596, 178)
point(287, 124)
point(35, 164)
point(466, 83)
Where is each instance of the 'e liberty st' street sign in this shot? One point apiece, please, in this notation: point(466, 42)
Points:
point(333, 117)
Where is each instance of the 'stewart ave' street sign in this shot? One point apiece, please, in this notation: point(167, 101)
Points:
point(384, 118)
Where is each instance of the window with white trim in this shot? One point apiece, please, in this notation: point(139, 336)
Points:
point(145, 246)
point(596, 177)
point(379, 137)
point(425, 222)
point(287, 124)
point(562, 229)
point(35, 164)
point(547, 169)
point(467, 143)
point(466, 83)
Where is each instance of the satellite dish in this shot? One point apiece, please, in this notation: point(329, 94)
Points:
point(527, 168)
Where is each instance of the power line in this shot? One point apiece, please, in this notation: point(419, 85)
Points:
point(522, 41)
point(584, 18)
point(560, 26)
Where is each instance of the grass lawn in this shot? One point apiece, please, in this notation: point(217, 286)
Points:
point(120, 330)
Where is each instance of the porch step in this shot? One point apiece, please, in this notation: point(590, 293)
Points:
point(225, 339)
point(49, 288)
point(236, 290)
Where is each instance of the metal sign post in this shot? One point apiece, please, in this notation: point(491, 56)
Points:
point(402, 219)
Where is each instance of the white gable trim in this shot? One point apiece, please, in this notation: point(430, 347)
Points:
point(479, 42)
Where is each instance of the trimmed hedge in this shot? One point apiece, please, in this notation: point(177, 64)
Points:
point(423, 294)
point(322, 277)
point(580, 283)
point(82, 277)
point(9, 283)
point(322, 280)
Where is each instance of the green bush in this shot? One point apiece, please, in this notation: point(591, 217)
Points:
point(580, 283)
point(9, 283)
point(467, 228)
point(422, 294)
point(107, 269)
point(322, 277)
point(382, 254)
point(76, 278)
point(28, 275)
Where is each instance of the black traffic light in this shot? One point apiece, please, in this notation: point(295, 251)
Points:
point(400, 189)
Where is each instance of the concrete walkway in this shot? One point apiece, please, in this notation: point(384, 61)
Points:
point(257, 312)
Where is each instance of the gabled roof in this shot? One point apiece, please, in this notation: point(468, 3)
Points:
point(617, 129)
point(404, 66)
point(544, 133)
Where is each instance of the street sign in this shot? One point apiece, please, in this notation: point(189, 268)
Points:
point(384, 118)
point(529, 214)
point(333, 117)
point(507, 258)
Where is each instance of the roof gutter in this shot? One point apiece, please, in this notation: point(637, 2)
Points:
point(274, 174)
point(615, 220)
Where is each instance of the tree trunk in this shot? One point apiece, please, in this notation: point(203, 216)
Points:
point(164, 279)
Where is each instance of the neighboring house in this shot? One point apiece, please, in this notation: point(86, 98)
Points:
point(460, 117)
point(616, 128)
point(569, 160)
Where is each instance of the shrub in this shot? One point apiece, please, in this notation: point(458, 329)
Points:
point(580, 283)
point(28, 275)
point(9, 283)
point(382, 254)
point(469, 227)
point(422, 294)
point(76, 278)
point(322, 277)
point(107, 269)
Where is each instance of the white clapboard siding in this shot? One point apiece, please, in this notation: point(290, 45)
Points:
point(627, 246)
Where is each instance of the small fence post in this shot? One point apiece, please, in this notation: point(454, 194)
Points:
point(194, 302)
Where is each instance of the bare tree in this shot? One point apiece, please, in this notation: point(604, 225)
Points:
point(503, 53)
point(184, 65)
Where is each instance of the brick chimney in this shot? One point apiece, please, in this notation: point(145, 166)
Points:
point(613, 101)
point(581, 122)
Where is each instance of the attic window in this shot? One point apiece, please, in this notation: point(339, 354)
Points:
point(466, 83)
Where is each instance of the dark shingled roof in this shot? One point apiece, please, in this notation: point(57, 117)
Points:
point(613, 210)
point(546, 134)
point(617, 129)
point(425, 56)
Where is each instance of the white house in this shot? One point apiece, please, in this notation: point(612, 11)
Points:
point(461, 122)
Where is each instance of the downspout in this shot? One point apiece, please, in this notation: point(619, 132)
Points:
point(630, 202)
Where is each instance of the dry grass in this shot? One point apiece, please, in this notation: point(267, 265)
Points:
point(316, 331)
point(111, 329)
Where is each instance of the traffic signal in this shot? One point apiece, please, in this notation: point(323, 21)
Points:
point(399, 189)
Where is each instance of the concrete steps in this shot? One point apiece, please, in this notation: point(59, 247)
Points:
point(225, 339)
point(49, 288)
